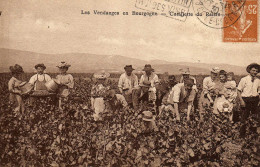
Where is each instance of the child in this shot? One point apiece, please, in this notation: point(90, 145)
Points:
point(65, 82)
point(98, 92)
point(230, 87)
point(14, 89)
point(229, 95)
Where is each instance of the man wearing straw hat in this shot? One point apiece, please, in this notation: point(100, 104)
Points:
point(127, 82)
point(249, 94)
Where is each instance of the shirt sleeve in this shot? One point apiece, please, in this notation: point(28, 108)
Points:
point(11, 85)
point(32, 79)
point(241, 85)
point(120, 82)
point(205, 86)
point(176, 94)
point(194, 79)
point(121, 98)
point(141, 80)
point(233, 84)
point(47, 77)
point(71, 82)
point(156, 79)
point(181, 79)
point(135, 81)
point(258, 90)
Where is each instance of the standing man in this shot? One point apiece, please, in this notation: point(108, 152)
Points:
point(249, 94)
point(38, 80)
point(127, 82)
point(182, 96)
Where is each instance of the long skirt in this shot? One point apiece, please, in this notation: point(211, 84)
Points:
point(98, 105)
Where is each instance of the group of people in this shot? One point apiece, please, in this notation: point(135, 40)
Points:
point(149, 93)
point(38, 86)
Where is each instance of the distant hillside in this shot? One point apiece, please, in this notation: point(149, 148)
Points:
point(84, 62)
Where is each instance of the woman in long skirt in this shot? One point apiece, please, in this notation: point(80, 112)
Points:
point(98, 92)
point(14, 83)
point(65, 82)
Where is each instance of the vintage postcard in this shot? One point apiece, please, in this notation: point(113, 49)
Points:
point(145, 83)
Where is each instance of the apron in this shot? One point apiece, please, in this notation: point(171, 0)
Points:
point(98, 105)
point(40, 85)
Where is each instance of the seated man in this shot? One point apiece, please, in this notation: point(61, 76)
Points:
point(181, 97)
point(127, 82)
point(141, 97)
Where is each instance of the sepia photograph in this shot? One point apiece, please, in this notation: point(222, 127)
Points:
point(136, 83)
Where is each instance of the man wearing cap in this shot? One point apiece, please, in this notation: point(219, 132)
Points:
point(127, 82)
point(38, 80)
point(182, 96)
point(208, 94)
point(249, 92)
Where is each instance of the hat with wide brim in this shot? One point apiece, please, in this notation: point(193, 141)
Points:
point(148, 67)
point(16, 69)
point(148, 116)
point(40, 65)
point(129, 67)
point(63, 65)
point(185, 71)
point(215, 70)
point(101, 75)
point(252, 65)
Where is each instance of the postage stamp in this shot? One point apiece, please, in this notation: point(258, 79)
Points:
point(245, 29)
point(176, 9)
point(218, 13)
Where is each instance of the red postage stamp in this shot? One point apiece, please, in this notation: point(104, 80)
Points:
point(245, 28)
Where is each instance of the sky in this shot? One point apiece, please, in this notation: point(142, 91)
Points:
point(57, 26)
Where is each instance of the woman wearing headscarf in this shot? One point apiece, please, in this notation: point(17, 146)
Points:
point(14, 88)
point(65, 82)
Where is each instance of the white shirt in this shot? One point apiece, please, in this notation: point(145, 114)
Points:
point(127, 82)
point(208, 85)
point(249, 88)
point(66, 79)
point(177, 93)
point(153, 78)
point(40, 78)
